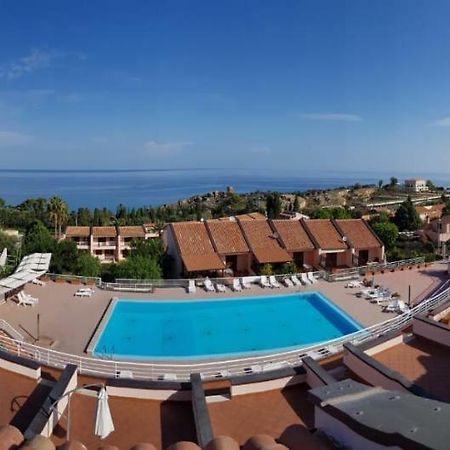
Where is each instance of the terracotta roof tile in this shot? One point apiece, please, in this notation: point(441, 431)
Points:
point(262, 242)
point(104, 231)
point(325, 234)
point(227, 237)
point(132, 231)
point(78, 231)
point(196, 249)
point(293, 235)
point(251, 216)
point(360, 236)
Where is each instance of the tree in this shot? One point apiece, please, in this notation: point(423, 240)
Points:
point(138, 268)
point(321, 213)
point(8, 242)
point(406, 216)
point(296, 204)
point(273, 205)
point(430, 185)
point(88, 265)
point(65, 257)
point(38, 239)
point(57, 211)
point(380, 184)
point(266, 269)
point(387, 232)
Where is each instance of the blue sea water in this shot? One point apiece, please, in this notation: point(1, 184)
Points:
point(137, 188)
point(208, 328)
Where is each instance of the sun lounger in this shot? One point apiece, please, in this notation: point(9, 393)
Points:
point(264, 282)
point(209, 286)
point(220, 287)
point(26, 300)
point(82, 293)
point(304, 279)
point(295, 280)
point(191, 287)
point(288, 283)
point(38, 282)
point(354, 284)
point(168, 377)
point(245, 284)
point(273, 282)
point(403, 307)
point(392, 306)
point(311, 278)
point(237, 285)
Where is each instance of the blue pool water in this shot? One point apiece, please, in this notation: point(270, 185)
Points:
point(209, 328)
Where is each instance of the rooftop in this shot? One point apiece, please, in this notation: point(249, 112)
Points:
point(227, 237)
point(78, 231)
point(325, 234)
point(104, 231)
point(293, 235)
point(359, 234)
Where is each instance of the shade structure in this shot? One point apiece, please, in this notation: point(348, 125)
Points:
point(104, 425)
point(3, 257)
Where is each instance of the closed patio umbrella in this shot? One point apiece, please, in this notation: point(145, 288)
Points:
point(103, 420)
point(3, 257)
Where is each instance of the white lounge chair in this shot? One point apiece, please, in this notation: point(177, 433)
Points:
point(220, 287)
point(26, 300)
point(273, 282)
point(311, 278)
point(402, 307)
point(304, 279)
point(208, 285)
point(288, 283)
point(237, 285)
point(295, 280)
point(191, 287)
point(83, 293)
point(264, 282)
point(38, 282)
point(354, 284)
point(245, 283)
point(392, 306)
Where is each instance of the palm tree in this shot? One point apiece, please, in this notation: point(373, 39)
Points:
point(57, 211)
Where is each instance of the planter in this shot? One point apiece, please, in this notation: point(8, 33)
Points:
point(59, 280)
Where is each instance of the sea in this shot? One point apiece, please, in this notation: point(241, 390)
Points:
point(143, 188)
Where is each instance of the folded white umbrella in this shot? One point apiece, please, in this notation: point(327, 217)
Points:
point(3, 257)
point(104, 425)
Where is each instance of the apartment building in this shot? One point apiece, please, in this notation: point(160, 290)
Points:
point(110, 243)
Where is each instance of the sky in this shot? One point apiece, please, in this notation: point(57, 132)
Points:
point(265, 84)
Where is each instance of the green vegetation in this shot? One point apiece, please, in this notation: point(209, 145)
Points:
point(406, 217)
point(387, 232)
point(273, 205)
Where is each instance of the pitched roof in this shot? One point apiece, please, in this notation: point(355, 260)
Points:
point(262, 242)
point(292, 235)
point(195, 247)
point(227, 237)
point(132, 231)
point(78, 231)
point(104, 231)
point(325, 234)
point(358, 233)
point(251, 216)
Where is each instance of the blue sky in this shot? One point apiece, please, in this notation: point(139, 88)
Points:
point(334, 85)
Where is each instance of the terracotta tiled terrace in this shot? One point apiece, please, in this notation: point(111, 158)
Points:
point(423, 362)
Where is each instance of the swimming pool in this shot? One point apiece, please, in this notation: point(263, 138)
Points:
point(137, 329)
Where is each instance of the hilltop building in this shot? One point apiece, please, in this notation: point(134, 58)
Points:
point(416, 185)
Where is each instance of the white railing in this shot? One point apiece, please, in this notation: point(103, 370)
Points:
point(354, 272)
point(216, 368)
point(10, 330)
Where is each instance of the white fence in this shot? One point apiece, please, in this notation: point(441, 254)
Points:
point(215, 368)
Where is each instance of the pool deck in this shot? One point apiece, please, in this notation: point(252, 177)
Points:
point(71, 321)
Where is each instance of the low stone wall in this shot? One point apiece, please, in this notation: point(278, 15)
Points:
point(22, 366)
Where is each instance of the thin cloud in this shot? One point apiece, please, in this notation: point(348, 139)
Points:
point(14, 139)
point(164, 148)
point(444, 122)
point(36, 60)
point(332, 117)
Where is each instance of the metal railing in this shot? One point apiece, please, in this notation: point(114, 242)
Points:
point(10, 330)
point(221, 367)
point(345, 274)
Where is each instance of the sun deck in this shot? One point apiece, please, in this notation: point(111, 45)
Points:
point(71, 321)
